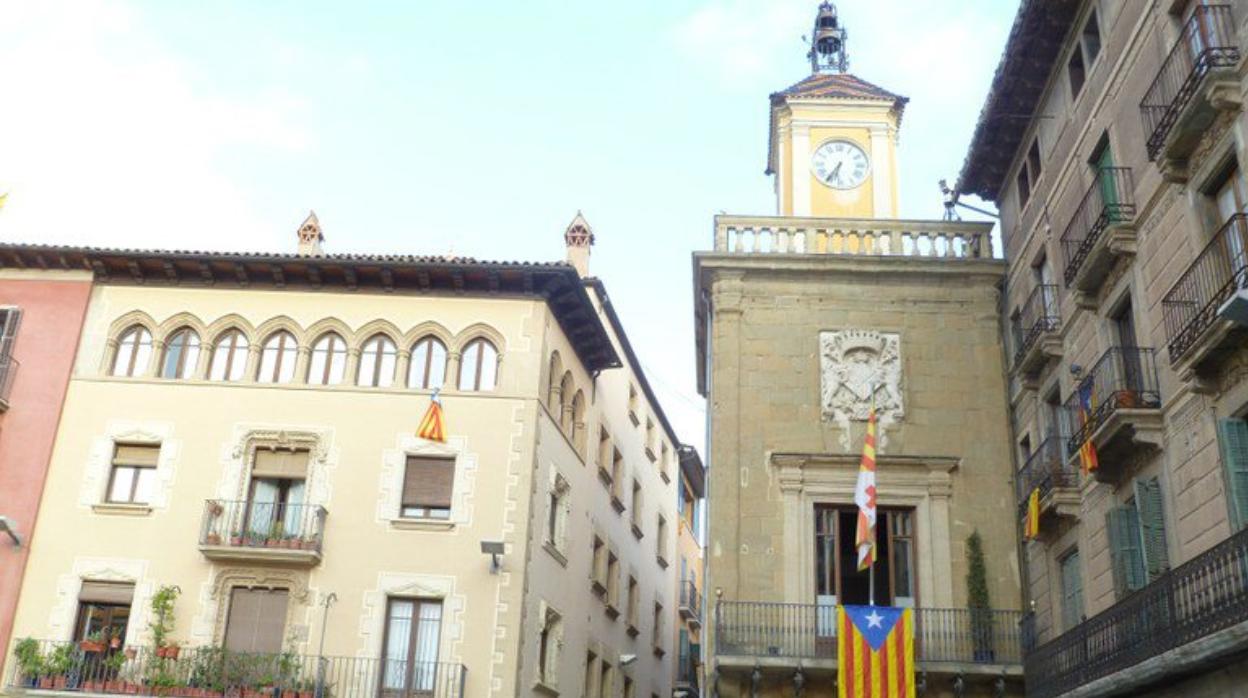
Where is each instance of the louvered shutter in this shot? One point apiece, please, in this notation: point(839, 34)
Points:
point(1152, 527)
point(1072, 591)
point(280, 464)
point(256, 621)
point(10, 318)
point(1233, 438)
point(428, 482)
point(1126, 558)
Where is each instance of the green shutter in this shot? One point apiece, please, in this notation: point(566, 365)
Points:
point(1125, 555)
point(1233, 437)
point(1152, 527)
point(1072, 592)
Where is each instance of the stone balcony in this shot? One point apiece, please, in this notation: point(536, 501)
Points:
point(767, 235)
point(266, 532)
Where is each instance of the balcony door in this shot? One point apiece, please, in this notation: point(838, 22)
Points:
point(837, 579)
point(1231, 197)
point(413, 627)
point(275, 497)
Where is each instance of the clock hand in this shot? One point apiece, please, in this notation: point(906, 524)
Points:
point(835, 170)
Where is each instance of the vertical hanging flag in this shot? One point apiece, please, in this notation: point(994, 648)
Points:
point(431, 426)
point(1031, 525)
point(875, 652)
point(864, 497)
point(1087, 450)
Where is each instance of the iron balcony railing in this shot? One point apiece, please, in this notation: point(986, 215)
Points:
point(687, 668)
point(804, 631)
point(1221, 269)
point(212, 672)
point(690, 600)
point(8, 373)
point(1038, 315)
point(255, 524)
point(1110, 200)
point(1194, 600)
point(1123, 378)
point(1046, 468)
point(1206, 42)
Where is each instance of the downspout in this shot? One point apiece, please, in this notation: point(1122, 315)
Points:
point(706, 487)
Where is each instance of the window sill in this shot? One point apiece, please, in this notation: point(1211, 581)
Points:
point(659, 651)
point(554, 552)
point(599, 589)
point(617, 504)
point(116, 509)
point(662, 561)
point(604, 475)
point(650, 454)
point(632, 630)
point(637, 532)
point(667, 479)
point(612, 611)
point(632, 415)
point(543, 687)
point(421, 525)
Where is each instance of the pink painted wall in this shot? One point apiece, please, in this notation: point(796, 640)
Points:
point(52, 316)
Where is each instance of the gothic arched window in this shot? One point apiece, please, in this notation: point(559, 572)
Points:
point(329, 360)
point(229, 357)
point(478, 368)
point(377, 362)
point(277, 358)
point(428, 367)
point(181, 355)
point(134, 351)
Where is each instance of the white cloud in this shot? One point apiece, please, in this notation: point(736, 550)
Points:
point(106, 139)
point(738, 40)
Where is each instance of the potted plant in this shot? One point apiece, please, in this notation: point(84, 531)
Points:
point(162, 621)
point(93, 643)
point(212, 538)
point(977, 600)
point(29, 660)
point(60, 661)
point(215, 508)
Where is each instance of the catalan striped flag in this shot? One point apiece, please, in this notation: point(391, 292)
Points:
point(875, 652)
point(1087, 450)
point(864, 497)
point(431, 426)
point(1031, 524)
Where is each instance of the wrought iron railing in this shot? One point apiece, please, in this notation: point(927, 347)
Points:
point(8, 373)
point(1194, 600)
point(1191, 306)
point(1206, 42)
point(253, 524)
point(212, 672)
point(799, 631)
point(690, 600)
point(1046, 468)
point(687, 668)
point(1110, 200)
point(1123, 378)
point(1038, 315)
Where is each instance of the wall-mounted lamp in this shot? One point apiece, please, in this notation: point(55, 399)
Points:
point(493, 548)
point(1076, 370)
point(8, 526)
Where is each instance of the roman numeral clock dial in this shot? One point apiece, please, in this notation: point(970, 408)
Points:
point(840, 165)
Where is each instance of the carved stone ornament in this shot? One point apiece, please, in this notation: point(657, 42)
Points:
point(856, 366)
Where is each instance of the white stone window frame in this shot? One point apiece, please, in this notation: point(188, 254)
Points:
point(405, 585)
point(394, 469)
point(239, 455)
point(558, 546)
point(208, 625)
point(547, 678)
point(93, 492)
point(63, 615)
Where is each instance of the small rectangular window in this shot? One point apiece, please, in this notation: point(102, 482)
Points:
point(427, 487)
point(1072, 590)
point(1033, 159)
point(657, 638)
point(10, 318)
point(661, 545)
point(1024, 188)
point(1076, 73)
point(133, 477)
point(1091, 39)
point(103, 610)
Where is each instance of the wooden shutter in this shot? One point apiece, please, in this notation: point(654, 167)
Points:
point(10, 318)
point(136, 454)
point(428, 482)
point(257, 620)
point(1152, 527)
point(1072, 591)
point(106, 592)
point(280, 464)
point(1125, 555)
point(1233, 438)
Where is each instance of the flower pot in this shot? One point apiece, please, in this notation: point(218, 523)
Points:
point(91, 646)
point(113, 687)
point(213, 539)
point(58, 683)
point(115, 642)
point(172, 651)
point(45, 682)
point(131, 688)
point(305, 694)
point(287, 693)
point(271, 543)
point(131, 653)
point(215, 509)
point(236, 540)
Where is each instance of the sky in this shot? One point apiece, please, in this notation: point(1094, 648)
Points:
point(435, 127)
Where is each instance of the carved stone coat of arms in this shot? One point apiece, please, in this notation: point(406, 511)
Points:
point(858, 366)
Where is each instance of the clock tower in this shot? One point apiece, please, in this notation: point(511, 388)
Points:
point(833, 143)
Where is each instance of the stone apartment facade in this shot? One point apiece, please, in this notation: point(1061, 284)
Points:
point(1113, 142)
point(242, 429)
point(691, 591)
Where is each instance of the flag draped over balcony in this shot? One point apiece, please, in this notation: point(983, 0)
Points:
point(1031, 525)
point(875, 652)
point(431, 426)
point(1087, 450)
point(864, 497)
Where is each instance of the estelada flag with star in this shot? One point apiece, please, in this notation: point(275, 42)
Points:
point(864, 497)
point(875, 652)
point(1088, 460)
point(431, 426)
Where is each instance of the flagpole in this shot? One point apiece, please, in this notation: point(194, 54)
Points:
point(871, 567)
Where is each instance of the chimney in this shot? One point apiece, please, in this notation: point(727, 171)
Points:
point(310, 237)
point(579, 237)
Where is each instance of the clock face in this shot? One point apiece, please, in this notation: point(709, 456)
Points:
point(840, 164)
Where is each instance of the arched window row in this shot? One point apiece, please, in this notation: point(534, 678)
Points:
point(371, 359)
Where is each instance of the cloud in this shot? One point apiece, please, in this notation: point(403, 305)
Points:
point(742, 40)
point(107, 138)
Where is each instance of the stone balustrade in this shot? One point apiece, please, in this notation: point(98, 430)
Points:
point(853, 236)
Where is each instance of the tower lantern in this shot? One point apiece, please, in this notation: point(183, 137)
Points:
point(827, 42)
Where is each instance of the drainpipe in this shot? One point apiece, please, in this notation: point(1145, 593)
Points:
point(330, 598)
point(706, 494)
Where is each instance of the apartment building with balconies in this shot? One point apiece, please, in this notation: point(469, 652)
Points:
point(690, 590)
point(1112, 142)
point(239, 501)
